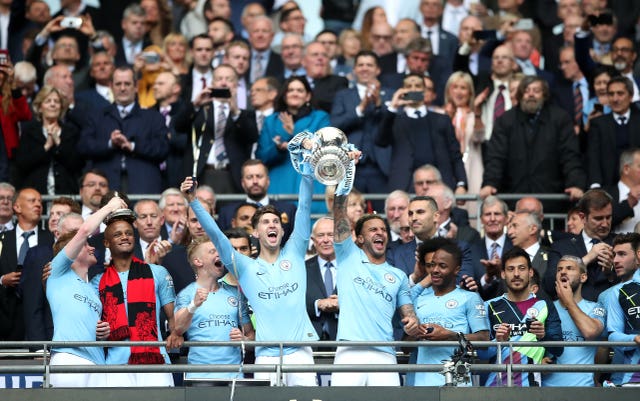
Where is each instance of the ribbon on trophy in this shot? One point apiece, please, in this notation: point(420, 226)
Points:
point(325, 155)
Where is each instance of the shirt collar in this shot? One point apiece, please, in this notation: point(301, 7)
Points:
point(410, 111)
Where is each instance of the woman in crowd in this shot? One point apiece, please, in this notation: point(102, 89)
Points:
point(176, 50)
point(46, 158)
point(371, 17)
point(459, 105)
point(150, 64)
point(293, 114)
point(75, 304)
point(158, 19)
point(598, 104)
point(13, 108)
point(350, 43)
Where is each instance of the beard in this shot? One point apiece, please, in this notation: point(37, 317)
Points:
point(531, 106)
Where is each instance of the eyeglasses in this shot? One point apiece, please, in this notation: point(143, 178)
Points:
point(381, 37)
point(93, 184)
point(621, 49)
point(6, 198)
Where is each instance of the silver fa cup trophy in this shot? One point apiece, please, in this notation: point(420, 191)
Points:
point(329, 157)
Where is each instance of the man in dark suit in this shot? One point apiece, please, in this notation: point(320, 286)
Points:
point(322, 297)
point(626, 193)
point(222, 135)
point(572, 93)
point(523, 232)
point(134, 39)
point(533, 148)
point(423, 218)
point(404, 32)
point(15, 244)
point(101, 95)
point(200, 74)
point(324, 85)
point(125, 141)
point(491, 247)
point(255, 183)
point(445, 199)
point(358, 112)
point(427, 175)
point(264, 61)
point(64, 218)
point(612, 133)
point(593, 245)
point(166, 91)
point(418, 137)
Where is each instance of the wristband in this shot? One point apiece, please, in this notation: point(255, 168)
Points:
point(191, 308)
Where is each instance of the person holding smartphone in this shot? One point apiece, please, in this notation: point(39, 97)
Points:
point(418, 137)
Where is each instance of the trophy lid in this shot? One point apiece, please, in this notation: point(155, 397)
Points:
point(331, 136)
point(127, 215)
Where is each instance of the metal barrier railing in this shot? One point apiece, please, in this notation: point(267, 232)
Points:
point(46, 369)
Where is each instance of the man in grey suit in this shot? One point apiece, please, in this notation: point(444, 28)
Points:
point(322, 299)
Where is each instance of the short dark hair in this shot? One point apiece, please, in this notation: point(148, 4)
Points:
point(516, 252)
point(366, 53)
point(93, 171)
point(243, 204)
point(322, 32)
point(596, 199)
point(430, 200)
point(228, 23)
point(200, 36)
point(450, 247)
point(237, 232)
point(628, 238)
point(429, 246)
point(621, 79)
point(261, 212)
point(364, 219)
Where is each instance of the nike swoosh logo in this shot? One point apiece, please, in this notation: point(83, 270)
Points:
point(497, 313)
point(260, 273)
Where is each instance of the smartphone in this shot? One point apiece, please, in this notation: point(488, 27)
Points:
point(151, 57)
point(19, 268)
point(194, 180)
point(598, 107)
point(523, 24)
point(415, 96)
point(484, 34)
point(71, 22)
point(430, 330)
point(528, 322)
point(221, 93)
point(4, 56)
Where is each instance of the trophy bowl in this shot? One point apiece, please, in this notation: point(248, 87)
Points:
point(329, 158)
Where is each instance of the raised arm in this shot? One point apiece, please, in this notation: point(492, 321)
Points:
point(209, 224)
point(89, 226)
point(342, 225)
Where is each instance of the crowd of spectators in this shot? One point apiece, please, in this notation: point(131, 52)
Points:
point(441, 97)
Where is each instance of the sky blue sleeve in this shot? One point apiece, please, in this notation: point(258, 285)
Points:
point(302, 226)
point(615, 321)
point(476, 313)
point(60, 265)
point(404, 295)
point(184, 298)
point(164, 284)
point(218, 238)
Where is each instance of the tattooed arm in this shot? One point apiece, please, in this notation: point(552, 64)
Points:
point(342, 225)
point(410, 321)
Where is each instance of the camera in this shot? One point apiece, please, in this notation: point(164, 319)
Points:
point(71, 22)
point(151, 57)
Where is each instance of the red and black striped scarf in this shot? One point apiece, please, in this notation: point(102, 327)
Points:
point(141, 322)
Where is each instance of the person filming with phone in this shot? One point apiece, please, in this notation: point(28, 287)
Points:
point(418, 137)
point(220, 134)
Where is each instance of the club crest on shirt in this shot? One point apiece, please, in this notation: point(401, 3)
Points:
point(389, 277)
point(532, 312)
point(452, 303)
point(285, 265)
point(169, 280)
point(233, 301)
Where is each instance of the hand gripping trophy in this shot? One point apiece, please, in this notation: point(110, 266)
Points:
point(327, 155)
